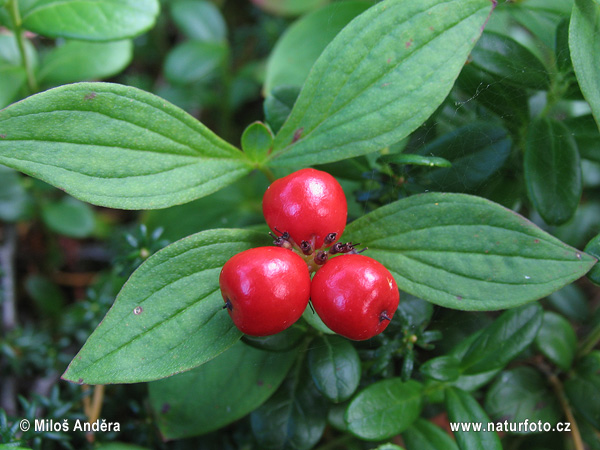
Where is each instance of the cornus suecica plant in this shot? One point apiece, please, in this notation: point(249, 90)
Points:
point(410, 220)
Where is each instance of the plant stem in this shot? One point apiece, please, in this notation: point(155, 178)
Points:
point(268, 173)
point(13, 8)
point(590, 341)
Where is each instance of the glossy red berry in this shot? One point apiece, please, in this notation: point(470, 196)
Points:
point(265, 289)
point(308, 204)
point(355, 296)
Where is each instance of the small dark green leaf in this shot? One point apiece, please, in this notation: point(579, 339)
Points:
point(507, 60)
point(593, 248)
point(293, 418)
point(278, 105)
point(313, 319)
point(335, 367)
point(585, 51)
point(466, 252)
point(556, 340)
point(552, 171)
point(476, 151)
point(93, 20)
point(195, 61)
point(584, 387)
point(465, 382)
point(442, 368)
point(215, 394)
point(116, 146)
point(257, 141)
point(384, 409)
point(82, 61)
point(118, 446)
point(48, 297)
point(280, 342)
point(503, 340)
point(586, 134)
point(417, 160)
point(169, 316)
point(302, 43)
point(463, 409)
point(13, 197)
point(522, 394)
point(289, 7)
point(571, 301)
point(199, 20)
point(379, 79)
point(423, 435)
point(415, 311)
point(70, 217)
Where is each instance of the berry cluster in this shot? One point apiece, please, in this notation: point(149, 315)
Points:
point(267, 289)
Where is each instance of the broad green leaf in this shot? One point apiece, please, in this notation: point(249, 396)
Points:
point(503, 340)
point(335, 367)
point(93, 20)
point(541, 18)
point(556, 340)
point(585, 50)
point(293, 418)
point(215, 394)
point(116, 146)
point(278, 105)
point(442, 368)
point(299, 47)
point(257, 141)
point(379, 79)
point(280, 342)
point(199, 20)
point(313, 319)
point(506, 59)
point(522, 394)
point(423, 435)
point(593, 248)
point(585, 386)
point(169, 316)
point(81, 61)
point(463, 409)
point(12, 78)
point(389, 447)
point(476, 151)
point(417, 160)
point(571, 301)
point(467, 382)
point(13, 197)
point(465, 252)
point(195, 61)
point(552, 171)
point(289, 7)
point(70, 217)
point(385, 408)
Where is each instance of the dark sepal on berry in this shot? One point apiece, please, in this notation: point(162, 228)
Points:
point(321, 258)
point(330, 239)
point(306, 247)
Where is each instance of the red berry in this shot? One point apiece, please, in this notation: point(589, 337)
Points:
point(355, 296)
point(309, 204)
point(266, 289)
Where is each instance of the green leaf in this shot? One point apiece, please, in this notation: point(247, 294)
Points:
point(289, 7)
point(414, 311)
point(10, 53)
point(278, 105)
point(48, 297)
point(593, 248)
point(80, 61)
point(12, 78)
point(195, 61)
point(466, 252)
point(423, 435)
point(522, 394)
point(335, 367)
point(442, 368)
point(584, 386)
point(199, 20)
point(467, 382)
point(587, 137)
point(506, 59)
point(503, 340)
point(556, 340)
point(585, 51)
point(299, 47)
point(571, 301)
point(13, 197)
point(116, 146)
point(417, 160)
point(169, 316)
point(119, 446)
point(280, 342)
point(379, 79)
point(477, 151)
point(69, 217)
point(385, 408)
point(552, 171)
point(389, 447)
point(313, 319)
point(219, 392)
point(293, 418)
point(93, 20)
point(257, 141)
point(463, 408)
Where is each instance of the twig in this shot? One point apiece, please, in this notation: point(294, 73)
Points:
point(7, 272)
